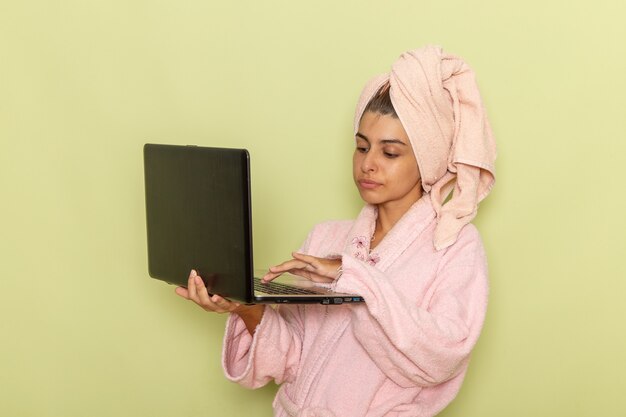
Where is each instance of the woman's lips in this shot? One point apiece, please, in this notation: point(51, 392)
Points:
point(368, 184)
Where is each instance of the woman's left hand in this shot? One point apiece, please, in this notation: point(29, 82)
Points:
point(307, 266)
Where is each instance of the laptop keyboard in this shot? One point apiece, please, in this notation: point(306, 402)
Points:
point(278, 288)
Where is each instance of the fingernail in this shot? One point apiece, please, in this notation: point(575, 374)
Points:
point(198, 280)
point(193, 273)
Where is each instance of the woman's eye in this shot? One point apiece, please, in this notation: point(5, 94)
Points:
point(361, 149)
point(391, 155)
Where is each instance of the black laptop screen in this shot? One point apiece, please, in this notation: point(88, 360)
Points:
point(198, 217)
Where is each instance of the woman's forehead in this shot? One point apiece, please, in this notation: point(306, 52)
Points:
point(376, 127)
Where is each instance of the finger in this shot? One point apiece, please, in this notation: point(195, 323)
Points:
point(202, 292)
point(301, 273)
point(269, 276)
point(191, 288)
point(314, 262)
point(277, 270)
point(306, 258)
point(287, 265)
point(223, 304)
point(209, 305)
point(312, 276)
point(182, 291)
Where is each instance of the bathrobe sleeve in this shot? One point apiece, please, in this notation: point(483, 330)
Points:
point(273, 352)
point(425, 343)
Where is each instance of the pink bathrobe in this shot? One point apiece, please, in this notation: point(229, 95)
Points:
point(402, 353)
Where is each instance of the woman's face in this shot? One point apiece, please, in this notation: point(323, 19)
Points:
point(384, 166)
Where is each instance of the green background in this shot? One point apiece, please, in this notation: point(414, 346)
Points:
point(84, 84)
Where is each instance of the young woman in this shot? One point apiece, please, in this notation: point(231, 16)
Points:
point(420, 131)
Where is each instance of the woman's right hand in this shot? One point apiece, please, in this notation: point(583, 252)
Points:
point(197, 292)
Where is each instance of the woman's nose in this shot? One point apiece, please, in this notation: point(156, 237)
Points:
point(369, 163)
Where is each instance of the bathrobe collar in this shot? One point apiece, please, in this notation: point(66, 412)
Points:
point(397, 240)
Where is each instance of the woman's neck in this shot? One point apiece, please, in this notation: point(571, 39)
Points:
point(388, 215)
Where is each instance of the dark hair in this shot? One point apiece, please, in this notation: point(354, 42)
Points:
point(381, 103)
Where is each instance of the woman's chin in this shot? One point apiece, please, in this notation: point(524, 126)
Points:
point(370, 199)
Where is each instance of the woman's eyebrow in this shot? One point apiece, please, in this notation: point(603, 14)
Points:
point(383, 141)
point(397, 141)
point(362, 136)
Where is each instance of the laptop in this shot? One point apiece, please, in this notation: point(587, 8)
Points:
point(198, 216)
